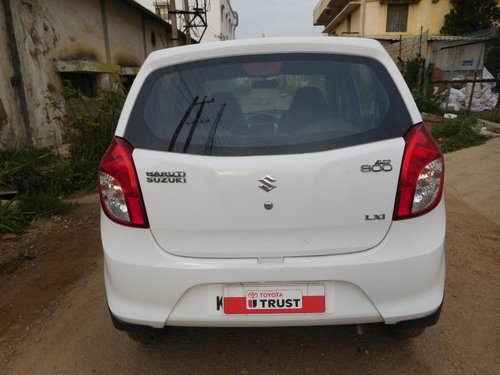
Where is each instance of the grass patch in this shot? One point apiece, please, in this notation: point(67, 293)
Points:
point(16, 216)
point(458, 134)
point(40, 204)
point(22, 169)
point(31, 173)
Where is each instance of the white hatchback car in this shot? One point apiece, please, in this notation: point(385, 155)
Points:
point(272, 182)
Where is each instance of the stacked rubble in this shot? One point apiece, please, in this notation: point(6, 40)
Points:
point(483, 98)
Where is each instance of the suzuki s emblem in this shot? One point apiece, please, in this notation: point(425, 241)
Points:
point(267, 183)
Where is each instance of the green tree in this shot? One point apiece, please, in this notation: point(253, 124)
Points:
point(468, 16)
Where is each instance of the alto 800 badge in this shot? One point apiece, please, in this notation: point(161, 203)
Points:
point(378, 166)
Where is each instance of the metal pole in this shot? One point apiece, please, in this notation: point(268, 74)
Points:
point(187, 21)
point(401, 47)
point(172, 15)
point(475, 77)
point(497, 107)
point(420, 42)
point(450, 78)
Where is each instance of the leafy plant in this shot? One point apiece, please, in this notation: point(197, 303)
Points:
point(416, 74)
point(20, 169)
point(11, 220)
point(428, 104)
point(91, 123)
point(418, 78)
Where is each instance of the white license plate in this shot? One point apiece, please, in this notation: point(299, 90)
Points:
point(284, 299)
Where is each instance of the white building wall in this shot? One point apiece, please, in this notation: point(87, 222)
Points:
point(222, 21)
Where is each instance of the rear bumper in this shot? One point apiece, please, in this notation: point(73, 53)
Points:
point(425, 321)
point(401, 279)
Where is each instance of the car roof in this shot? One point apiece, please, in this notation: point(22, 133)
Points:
point(338, 45)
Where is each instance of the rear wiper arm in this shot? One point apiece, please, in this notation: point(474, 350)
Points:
point(211, 136)
point(181, 124)
point(196, 121)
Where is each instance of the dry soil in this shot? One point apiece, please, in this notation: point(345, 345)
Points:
point(53, 315)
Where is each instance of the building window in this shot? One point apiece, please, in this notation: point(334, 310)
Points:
point(86, 83)
point(397, 17)
point(153, 39)
point(127, 81)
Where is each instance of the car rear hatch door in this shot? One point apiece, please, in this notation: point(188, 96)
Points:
point(270, 206)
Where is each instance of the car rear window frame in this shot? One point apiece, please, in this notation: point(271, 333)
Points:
point(394, 125)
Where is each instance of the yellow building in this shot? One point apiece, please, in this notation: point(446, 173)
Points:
point(381, 19)
point(406, 28)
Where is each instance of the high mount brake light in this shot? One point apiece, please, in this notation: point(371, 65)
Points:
point(119, 189)
point(422, 172)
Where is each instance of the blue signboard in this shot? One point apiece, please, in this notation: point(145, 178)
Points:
point(468, 62)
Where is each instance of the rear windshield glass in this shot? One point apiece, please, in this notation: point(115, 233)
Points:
point(267, 104)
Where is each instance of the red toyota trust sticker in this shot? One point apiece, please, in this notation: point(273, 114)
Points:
point(272, 301)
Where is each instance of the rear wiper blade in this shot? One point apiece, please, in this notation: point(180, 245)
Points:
point(181, 123)
point(196, 121)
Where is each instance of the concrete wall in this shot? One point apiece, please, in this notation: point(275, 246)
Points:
point(375, 18)
point(50, 36)
point(355, 26)
point(428, 15)
point(356, 21)
point(39, 41)
point(80, 31)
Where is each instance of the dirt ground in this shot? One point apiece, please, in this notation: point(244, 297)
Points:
point(54, 320)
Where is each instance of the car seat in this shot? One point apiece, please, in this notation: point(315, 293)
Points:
point(308, 106)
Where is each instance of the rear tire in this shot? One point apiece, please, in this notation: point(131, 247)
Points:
point(408, 333)
point(146, 338)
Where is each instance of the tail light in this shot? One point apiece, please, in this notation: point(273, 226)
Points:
point(119, 189)
point(422, 172)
